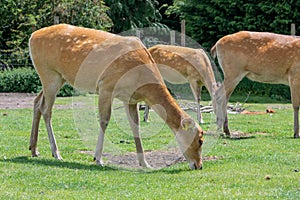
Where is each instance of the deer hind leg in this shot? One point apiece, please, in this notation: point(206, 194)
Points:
point(35, 125)
point(43, 106)
point(104, 104)
point(230, 82)
point(133, 117)
point(146, 113)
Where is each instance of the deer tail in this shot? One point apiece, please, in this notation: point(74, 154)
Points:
point(213, 51)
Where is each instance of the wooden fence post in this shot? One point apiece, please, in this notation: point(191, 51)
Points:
point(293, 29)
point(183, 33)
point(56, 19)
point(172, 37)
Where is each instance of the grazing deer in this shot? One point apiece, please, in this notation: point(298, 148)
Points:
point(114, 67)
point(262, 57)
point(180, 65)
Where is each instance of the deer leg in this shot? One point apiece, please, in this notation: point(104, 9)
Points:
point(196, 89)
point(50, 88)
point(296, 121)
point(104, 104)
point(133, 117)
point(225, 126)
point(230, 82)
point(219, 105)
point(146, 113)
point(35, 125)
point(294, 87)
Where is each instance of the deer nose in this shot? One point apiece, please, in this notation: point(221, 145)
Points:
point(194, 166)
point(199, 167)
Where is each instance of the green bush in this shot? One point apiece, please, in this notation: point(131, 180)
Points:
point(274, 91)
point(19, 80)
point(26, 80)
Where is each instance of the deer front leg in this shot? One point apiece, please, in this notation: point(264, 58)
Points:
point(197, 89)
point(133, 117)
point(296, 122)
point(294, 86)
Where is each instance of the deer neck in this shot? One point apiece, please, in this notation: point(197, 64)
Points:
point(161, 101)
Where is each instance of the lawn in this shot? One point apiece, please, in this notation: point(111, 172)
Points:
point(262, 162)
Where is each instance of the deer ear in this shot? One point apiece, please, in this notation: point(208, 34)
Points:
point(187, 123)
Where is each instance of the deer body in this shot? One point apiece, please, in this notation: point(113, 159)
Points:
point(114, 67)
point(262, 57)
point(180, 65)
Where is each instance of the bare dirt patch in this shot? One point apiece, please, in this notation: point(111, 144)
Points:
point(157, 159)
point(16, 100)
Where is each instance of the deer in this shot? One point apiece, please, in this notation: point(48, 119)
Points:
point(113, 67)
point(263, 57)
point(179, 65)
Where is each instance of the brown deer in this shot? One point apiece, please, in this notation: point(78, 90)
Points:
point(180, 65)
point(114, 67)
point(263, 57)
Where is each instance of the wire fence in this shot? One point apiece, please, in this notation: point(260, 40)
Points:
point(15, 60)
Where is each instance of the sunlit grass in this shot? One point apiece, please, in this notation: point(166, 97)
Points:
point(267, 148)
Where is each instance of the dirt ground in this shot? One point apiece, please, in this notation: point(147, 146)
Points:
point(16, 100)
point(157, 159)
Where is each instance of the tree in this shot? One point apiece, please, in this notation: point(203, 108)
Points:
point(132, 14)
point(20, 18)
point(169, 19)
point(207, 21)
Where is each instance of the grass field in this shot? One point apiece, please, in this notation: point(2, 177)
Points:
point(263, 162)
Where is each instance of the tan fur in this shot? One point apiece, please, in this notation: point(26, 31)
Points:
point(263, 57)
point(247, 112)
point(114, 67)
point(181, 65)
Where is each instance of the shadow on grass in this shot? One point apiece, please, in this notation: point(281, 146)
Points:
point(57, 163)
point(237, 135)
point(241, 137)
point(89, 167)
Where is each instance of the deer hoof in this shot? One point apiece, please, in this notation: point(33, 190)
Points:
point(99, 162)
point(146, 165)
point(34, 152)
point(57, 156)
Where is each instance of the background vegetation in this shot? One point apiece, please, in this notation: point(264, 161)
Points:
point(206, 22)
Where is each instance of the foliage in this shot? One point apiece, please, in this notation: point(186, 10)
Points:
point(169, 19)
point(274, 91)
point(132, 14)
point(26, 80)
point(209, 20)
point(265, 148)
point(20, 18)
point(19, 80)
point(90, 14)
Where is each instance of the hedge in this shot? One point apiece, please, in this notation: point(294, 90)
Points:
point(26, 80)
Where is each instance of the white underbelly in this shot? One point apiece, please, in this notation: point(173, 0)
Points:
point(171, 75)
point(267, 79)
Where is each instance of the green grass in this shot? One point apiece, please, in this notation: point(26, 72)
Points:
point(267, 148)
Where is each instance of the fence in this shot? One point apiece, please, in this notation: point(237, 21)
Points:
point(15, 60)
